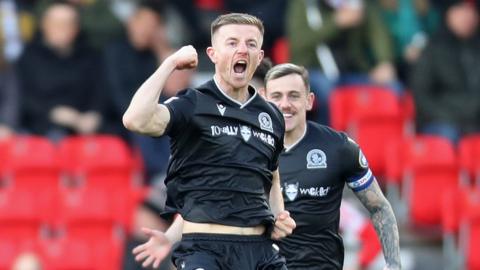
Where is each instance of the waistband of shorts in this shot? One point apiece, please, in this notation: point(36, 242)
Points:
point(225, 237)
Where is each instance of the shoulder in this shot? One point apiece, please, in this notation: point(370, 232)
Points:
point(326, 133)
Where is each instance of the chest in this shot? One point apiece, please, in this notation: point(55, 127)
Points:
point(311, 171)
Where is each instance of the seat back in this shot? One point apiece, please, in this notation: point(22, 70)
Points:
point(429, 169)
point(372, 116)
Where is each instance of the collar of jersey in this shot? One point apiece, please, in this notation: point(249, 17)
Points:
point(252, 97)
point(287, 149)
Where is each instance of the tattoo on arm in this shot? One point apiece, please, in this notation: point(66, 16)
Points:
point(384, 221)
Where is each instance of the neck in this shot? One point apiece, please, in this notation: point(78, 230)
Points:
point(239, 94)
point(293, 136)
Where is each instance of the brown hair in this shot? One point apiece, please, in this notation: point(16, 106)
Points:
point(282, 70)
point(236, 18)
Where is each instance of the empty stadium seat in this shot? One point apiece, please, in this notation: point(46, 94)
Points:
point(428, 168)
point(469, 153)
point(101, 177)
point(372, 116)
point(81, 246)
point(30, 179)
point(461, 226)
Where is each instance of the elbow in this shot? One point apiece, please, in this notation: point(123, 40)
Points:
point(130, 123)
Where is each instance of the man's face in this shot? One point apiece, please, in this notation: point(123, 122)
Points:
point(290, 95)
point(236, 52)
point(60, 26)
point(462, 19)
point(143, 27)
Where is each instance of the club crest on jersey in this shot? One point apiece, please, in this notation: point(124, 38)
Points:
point(221, 108)
point(362, 160)
point(291, 190)
point(316, 159)
point(246, 132)
point(265, 121)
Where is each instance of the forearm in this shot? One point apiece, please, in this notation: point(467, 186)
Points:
point(384, 221)
point(140, 115)
point(387, 230)
point(174, 232)
point(276, 198)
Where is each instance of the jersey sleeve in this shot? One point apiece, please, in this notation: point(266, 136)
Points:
point(181, 109)
point(357, 173)
point(279, 146)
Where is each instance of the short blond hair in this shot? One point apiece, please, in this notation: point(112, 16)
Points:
point(286, 69)
point(236, 18)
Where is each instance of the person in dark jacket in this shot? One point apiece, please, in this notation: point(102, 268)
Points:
point(446, 81)
point(60, 78)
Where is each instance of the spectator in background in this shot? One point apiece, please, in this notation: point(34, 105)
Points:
point(8, 101)
point(97, 20)
point(446, 79)
point(15, 28)
point(410, 23)
point(339, 42)
point(60, 78)
point(129, 62)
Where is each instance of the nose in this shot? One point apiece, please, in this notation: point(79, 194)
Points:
point(242, 47)
point(284, 103)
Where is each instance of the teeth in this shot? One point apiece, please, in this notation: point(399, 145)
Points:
point(242, 62)
point(287, 115)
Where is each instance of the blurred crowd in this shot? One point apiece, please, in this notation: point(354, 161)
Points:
point(71, 67)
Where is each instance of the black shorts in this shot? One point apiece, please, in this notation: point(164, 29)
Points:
point(202, 251)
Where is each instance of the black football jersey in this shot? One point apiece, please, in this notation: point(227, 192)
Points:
point(313, 174)
point(223, 154)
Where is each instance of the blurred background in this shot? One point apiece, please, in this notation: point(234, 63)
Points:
point(401, 77)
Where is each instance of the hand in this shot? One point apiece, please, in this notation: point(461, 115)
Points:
point(185, 58)
point(88, 123)
point(284, 225)
point(64, 116)
point(383, 73)
point(154, 250)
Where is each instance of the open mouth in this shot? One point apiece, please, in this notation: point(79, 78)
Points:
point(240, 67)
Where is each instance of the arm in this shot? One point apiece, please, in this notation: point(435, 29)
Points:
point(276, 198)
point(159, 244)
point(284, 224)
point(144, 115)
point(384, 221)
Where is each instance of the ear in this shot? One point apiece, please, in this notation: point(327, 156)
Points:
point(310, 100)
point(211, 54)
point(260, 57)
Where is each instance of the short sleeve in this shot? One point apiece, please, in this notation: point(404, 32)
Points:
point(356, 171)
point(181, 109)
point(279, 146)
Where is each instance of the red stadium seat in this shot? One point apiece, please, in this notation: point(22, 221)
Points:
point(429, 169)
point(461, 225)
point(17, 238)
point(30, 179)
point(372, 116)
point(85, 246)
point(82, 246)
point(469, 151)
point(101, 178)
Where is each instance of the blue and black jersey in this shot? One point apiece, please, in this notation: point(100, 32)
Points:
point(223, 155)
point(313, 173)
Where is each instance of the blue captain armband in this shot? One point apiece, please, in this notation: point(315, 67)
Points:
point(361, 183)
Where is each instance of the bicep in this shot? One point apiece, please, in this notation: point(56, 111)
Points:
point(158, 123)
